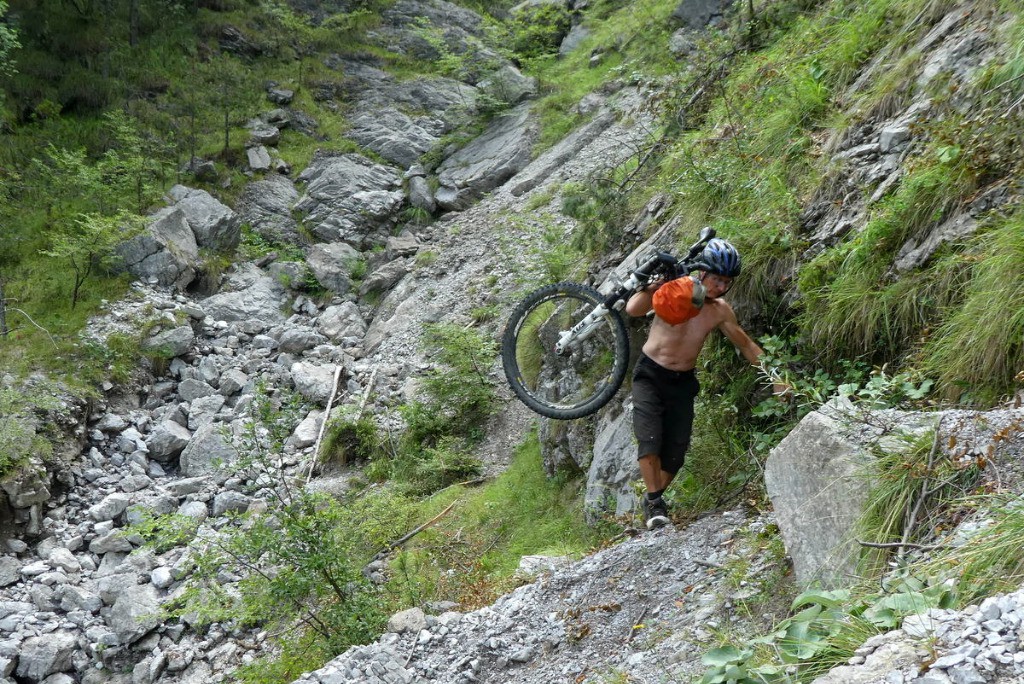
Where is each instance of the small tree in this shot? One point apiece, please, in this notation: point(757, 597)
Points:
point(3, 308)
point(8, 43)
point(232, 88)
point(90, 244)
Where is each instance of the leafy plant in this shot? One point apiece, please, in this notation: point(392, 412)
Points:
point(19, 438)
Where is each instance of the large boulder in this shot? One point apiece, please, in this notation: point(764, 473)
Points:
point(171, 343)
point(613, 469)
point(332, 265)
point(165, 253)
point(249, 294)
point(313, 382)
point(41, 656)
point(214, 224)
point(351, 199)
point(207, 452)
point(341, 321)
point(817, 479)
point(266, 205)
point(499, 153)
point(135, 613)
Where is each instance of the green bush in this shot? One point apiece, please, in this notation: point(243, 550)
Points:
point(538, 29)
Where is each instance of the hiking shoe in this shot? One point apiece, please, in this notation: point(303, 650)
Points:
point(656, 512)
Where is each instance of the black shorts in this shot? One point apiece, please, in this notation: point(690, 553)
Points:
point(663, 412)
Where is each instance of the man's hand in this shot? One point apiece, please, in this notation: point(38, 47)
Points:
point(782, 391)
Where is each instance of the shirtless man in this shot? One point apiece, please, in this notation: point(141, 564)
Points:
point(664, 382)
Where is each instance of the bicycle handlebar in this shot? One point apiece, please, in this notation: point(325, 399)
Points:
point(666, 260)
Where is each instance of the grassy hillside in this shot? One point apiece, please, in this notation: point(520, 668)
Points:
point(110, 102)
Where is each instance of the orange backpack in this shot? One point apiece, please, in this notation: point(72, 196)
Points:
point(679, 300)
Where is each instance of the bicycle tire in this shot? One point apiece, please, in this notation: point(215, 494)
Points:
point(574, 384)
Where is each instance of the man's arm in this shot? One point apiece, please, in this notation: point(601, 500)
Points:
point(750, 350)
point(641, 302)
point(739, 337)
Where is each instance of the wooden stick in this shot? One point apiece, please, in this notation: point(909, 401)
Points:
point(636, 623)
point(323, 424)
point(902, 545)
point(366, 395)
point(395, 544)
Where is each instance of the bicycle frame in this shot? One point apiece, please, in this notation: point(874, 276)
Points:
point(660, 261)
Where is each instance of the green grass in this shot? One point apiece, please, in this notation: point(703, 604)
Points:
point(489, 528)
point(852, 305)
point(631, 42)
point(978, 348)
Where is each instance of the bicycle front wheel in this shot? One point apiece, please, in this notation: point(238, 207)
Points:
point(581, 379)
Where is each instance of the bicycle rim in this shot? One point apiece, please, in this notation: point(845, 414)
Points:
point(578, 382)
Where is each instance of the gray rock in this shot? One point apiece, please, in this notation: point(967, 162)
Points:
point(551, 160)
point(190, 485)
point(135, 612)
point(112, 541)
point(190, 390)
point(111, 422)
point(78, 598)
point(204, 410)
point(420, 194)
point(394, 135)
point(349, 197)
point(306, 432)
point(611, 472)
point(342, 320)
point(165, 253)
point(297, 340)
point(577, 34)
point(696, 14)
point(332, 265)
point(384, 278)
point(509, 85)
point(196, 510)
point(411, 620)
point(266, 205)
point(167, 440)
point(65, 560)
point(281, 96)
point(259, 296)
point(206, 453)
point(232, 381)
point(161, 577)
point(171, 343)
point(28, 486)
point(110, 507)
point(10, 570)
point(230, 502)
point(488, 161)
point(312, 381)
point(892, 138)
point(43, 656)
point(258, 157)
point(215, 225)
point(817, 482)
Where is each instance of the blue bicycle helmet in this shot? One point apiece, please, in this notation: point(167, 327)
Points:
point(721, 258)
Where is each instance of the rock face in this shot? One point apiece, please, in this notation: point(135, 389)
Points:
point(266, 205)
point(350, 199)
point(488, 161)
point(166, 253)
point(818, 481)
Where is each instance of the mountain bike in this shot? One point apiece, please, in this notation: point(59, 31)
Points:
point(565, 348)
